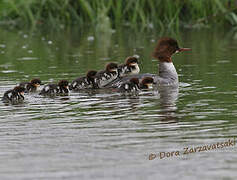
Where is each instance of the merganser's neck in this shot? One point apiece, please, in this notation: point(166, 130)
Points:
point(167, 72)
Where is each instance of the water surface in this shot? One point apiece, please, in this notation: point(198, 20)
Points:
point(104, 135)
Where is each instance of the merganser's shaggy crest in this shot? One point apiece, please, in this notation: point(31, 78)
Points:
point(102, 78)
point(14, 96)
point(168, 76)
point(84, 82)
point(130, 67)
point(54, 89)
point(32, 85)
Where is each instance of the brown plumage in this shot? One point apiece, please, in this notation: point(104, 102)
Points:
point(130, 60)
point(110, 67)
point(165, 48)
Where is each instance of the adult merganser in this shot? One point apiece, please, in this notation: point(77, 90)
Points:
point(165, 48)
point(54, 89)
point(84, 82)
point(14, 96)
point(129, 67)
point(102, 78)
point(32, 85)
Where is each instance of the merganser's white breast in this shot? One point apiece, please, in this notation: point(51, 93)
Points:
point(167, 74)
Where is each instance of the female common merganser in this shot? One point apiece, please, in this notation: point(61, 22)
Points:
point(165, 48)
point(84, 82)
point(32, 85)
point(14, 96)
point(102, 78)
point(54, 89)
point(130, 67)
point(133, 85)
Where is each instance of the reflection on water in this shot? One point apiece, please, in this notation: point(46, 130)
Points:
point(101, 134)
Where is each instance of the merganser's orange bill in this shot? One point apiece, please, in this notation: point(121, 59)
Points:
point(184, 49)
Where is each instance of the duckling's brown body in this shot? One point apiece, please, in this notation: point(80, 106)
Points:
point(130, 86)
point(84, 82)
point(103, 78)
point(130, 67)
point(55, 89)
point(14, 96)
point(32, 85)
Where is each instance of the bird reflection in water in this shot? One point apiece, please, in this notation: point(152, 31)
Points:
point(168, 97)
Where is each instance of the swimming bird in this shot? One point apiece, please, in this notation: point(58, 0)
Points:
point(55, 89)
point(32, 85)
point(133, 85)
point(166, 47)
point(129, 67)
point(14, 96)
point(84, 82)
point(146, 83)
point(104, 77)
point(130, 86)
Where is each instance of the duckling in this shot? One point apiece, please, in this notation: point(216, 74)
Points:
point(102, 78)
point(84, 82)
point(130, 86)
point(146, 83)
point(32, 85)
point(55, 89)
point(14, 96)
point(133, 85)
point(130, 67)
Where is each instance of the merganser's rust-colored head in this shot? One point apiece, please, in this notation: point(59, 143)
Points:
point(166, 47)
point(63, 84)
point(111, 67)
point(131, 61)
point(36, 82)
point(91, 74)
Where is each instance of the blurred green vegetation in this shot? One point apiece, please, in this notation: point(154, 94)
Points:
point(139, 13)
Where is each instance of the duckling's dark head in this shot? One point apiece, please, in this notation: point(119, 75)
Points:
point(166, 47)
point(63, 84)
point(134, 80)
point(112, 67)
point(19, 89)
point(131, 61)
point(147, 82)
point(36, 82)
point(91, 74)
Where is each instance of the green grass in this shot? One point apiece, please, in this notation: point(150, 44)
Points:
point(138, 13)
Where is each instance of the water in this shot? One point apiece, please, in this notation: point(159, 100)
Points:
point(104, 135)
